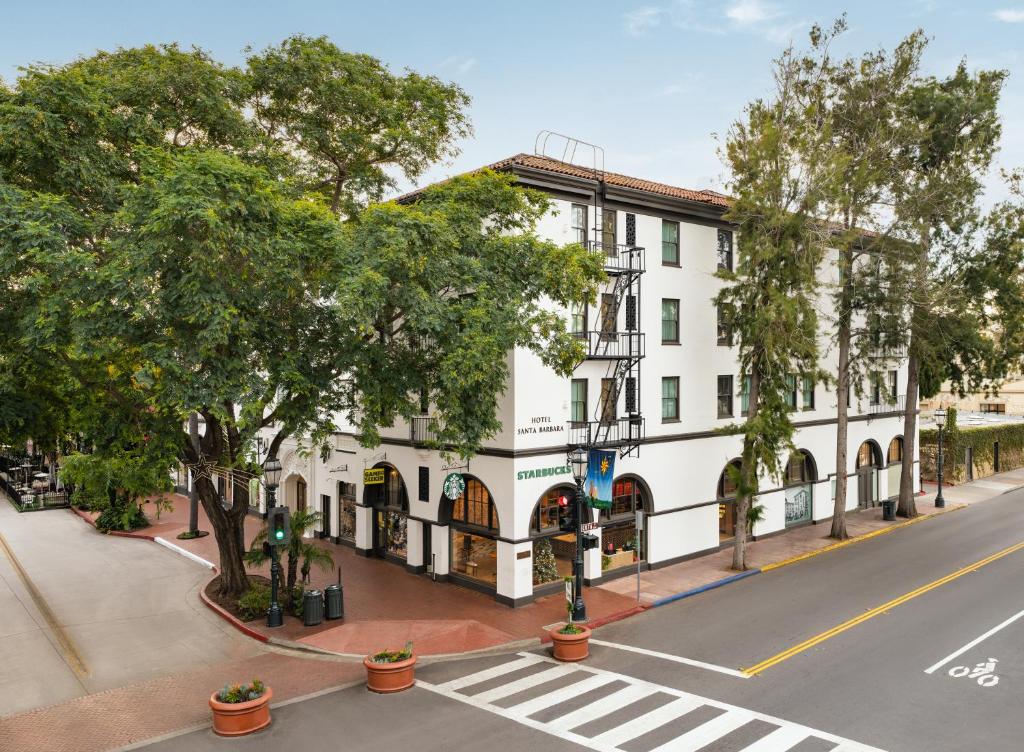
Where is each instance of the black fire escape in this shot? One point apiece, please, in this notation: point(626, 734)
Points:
point(621, 349)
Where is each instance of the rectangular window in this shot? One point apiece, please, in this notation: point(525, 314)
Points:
point(876, 389)
point(807, 390)
point(670, 321)
point(725, 249)
point(670, 398)
point(608, 399)
point(669, 242)
point(424, 484)
point(608, 231)
point(578, 319)
point(745, 396)
point(630, 395)
point(609, 316)
point(725, 396)
point(791, 391)
point(724, 327)
point(579, 401)
point(893, 385)
point(579, 223)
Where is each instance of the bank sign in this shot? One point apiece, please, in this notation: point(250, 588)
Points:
point(543, 472)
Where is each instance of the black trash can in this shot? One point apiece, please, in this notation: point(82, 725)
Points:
point(334, 604)
point(312, 608)
point(889, 509)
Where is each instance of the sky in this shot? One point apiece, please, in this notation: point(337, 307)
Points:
point(654, 84)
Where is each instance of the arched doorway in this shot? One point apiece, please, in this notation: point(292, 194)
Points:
point(727, 501)
point(295, 491)
point(390, 502)
point(473, 527)
point(869, 460)
point(553, 550)
point(621, 542)
point(894, 462)
point(801, 472)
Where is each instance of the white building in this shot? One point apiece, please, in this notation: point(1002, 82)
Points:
point(668, 242)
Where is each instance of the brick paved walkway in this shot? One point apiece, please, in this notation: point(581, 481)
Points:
point(118, 717)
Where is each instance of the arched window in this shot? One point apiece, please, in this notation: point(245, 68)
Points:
point(726, 485)
point(800, 469)
point(391, 494)
point(895, 453)
point(475, 507)
point(869, 455)
point(628, 496)
point(544, 519)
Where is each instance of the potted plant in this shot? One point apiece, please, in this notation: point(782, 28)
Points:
point(571, 641)
point(390, 670)
point(241, 708)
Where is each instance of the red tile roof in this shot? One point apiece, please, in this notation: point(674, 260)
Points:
point(547, 164)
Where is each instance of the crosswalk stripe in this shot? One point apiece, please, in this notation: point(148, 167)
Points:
point(779, 740)
point(647, 722)
point(490, 673)
point(708, 732)
point(602, 707)
point(555, 672)
point(551, 699)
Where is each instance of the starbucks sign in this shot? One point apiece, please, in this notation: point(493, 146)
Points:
point(454, 485)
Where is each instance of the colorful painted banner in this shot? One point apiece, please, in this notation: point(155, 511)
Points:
point(600, 471)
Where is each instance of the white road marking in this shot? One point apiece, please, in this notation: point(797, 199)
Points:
point(780, 739)
point(974, 642)
point(673, 658)
point(184, 552)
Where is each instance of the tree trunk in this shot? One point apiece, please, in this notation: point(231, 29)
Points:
point(842, 413)
point(748, 475)
point(227, 526)
point(907, 506)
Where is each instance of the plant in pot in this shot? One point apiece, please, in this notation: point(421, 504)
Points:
point(571, 642)
point(241, 708)
point(390, 670)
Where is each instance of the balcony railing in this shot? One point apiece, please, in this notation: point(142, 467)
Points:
point(620, 258)
point(892, 406)
point(420, 429)
point(888, 352)
point(610, 433)
point(613, 345)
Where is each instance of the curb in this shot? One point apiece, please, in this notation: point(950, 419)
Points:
point(859, 538)
point(236, 623)
point(116, 533)
point(617, 616)
point(702, 588)
point(184, 552)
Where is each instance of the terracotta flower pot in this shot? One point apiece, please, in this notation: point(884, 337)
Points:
point(571, 647)
point(390, 677)
point(240, 718)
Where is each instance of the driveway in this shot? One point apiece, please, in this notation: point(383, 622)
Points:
point(85, 612)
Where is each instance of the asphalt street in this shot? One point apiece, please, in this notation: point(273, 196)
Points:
point(849, 650)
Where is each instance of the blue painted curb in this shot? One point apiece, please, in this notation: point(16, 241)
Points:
point(702, 588)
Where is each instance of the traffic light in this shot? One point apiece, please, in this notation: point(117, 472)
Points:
point(278, 526)
point(590, 541)
point(566, 514)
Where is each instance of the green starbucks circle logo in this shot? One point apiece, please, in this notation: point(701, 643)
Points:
point(454, 485)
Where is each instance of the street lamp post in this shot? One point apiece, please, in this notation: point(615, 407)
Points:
point(940, 422)
point(272, 475)
point(578, 462)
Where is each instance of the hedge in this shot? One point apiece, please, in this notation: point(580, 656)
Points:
point(982, 440)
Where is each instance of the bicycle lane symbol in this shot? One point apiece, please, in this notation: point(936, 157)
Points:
point(984, 672)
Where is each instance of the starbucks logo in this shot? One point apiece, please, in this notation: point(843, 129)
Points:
point(454, 485)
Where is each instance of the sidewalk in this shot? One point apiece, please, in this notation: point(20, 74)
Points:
point(777, 550)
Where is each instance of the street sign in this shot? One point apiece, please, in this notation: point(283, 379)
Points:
point(373, 476)
point(454, 486)
point(590, 526)
point(568, 590)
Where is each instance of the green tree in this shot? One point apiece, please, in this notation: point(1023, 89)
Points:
point(777, 173)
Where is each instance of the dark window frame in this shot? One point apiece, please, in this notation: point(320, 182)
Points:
point(675, 340)
point(667, 243)
point(675, 399)
point(725, 396)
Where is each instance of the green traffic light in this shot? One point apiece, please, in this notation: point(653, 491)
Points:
point(279, 534)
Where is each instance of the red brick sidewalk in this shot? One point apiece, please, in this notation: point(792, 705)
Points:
point(118, 717)
point(385, 605)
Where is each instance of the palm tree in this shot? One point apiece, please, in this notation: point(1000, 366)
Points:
point(299, 549)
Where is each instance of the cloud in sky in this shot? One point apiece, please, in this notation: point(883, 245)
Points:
point(1010, 15)
point(760, 17)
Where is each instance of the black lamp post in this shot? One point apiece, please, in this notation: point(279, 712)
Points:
point(272, 476)
point(578, 462)
point(940, 422)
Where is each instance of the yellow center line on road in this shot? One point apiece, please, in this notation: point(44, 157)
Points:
point(851, 623)
point(65, 646)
